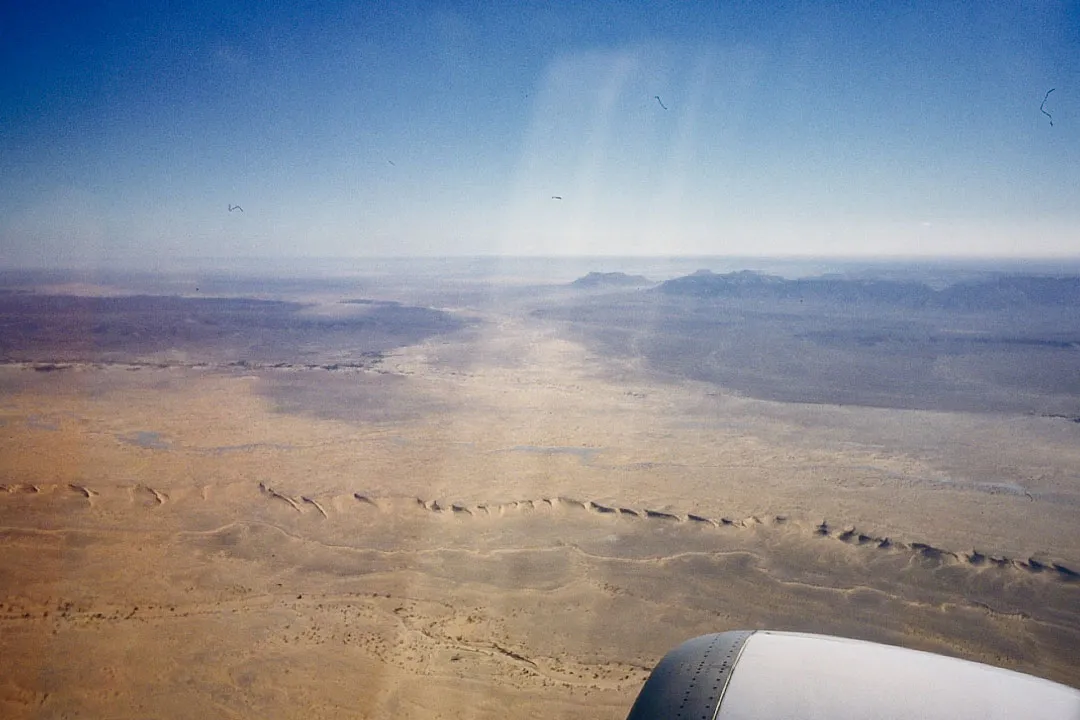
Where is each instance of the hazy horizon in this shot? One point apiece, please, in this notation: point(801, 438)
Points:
point(192, 273)
point(1069, 260)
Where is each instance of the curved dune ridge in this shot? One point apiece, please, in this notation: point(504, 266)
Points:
point(381, 584)
point(393, 504)
point(849, 534)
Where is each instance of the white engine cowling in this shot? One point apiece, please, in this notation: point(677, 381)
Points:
point(765, 675)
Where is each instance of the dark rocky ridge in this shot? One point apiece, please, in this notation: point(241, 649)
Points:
point(993, 294)
point(609, 279)
point(1004, 343)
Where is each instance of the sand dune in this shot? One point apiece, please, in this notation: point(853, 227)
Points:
point(488, 524)
point(402, 507)
point(368, 580)
point(315, 504)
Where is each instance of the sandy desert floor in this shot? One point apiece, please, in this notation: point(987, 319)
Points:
point(494, 524)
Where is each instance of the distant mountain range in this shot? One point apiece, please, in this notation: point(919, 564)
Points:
point(991, 294)
point(610, 279)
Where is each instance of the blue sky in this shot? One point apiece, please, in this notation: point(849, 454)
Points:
point(356, 129)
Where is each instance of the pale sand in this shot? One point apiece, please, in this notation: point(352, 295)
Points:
point(527, 545)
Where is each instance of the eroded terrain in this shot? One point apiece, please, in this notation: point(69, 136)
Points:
point(359, 509)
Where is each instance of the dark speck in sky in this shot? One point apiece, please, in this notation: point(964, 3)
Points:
point(1042, 108)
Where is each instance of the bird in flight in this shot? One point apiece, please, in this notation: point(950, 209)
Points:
point(1042, 108)
point(556, 197)
point(391, 162)
point(660, 101)
point(235, 207)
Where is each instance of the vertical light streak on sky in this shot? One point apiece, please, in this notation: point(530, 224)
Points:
point(671, 214)
point(565, 154)
point(591, 202)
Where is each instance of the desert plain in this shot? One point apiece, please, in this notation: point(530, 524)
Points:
point(492, 496)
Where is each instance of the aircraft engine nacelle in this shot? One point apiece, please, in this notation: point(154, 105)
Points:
point(765, 675)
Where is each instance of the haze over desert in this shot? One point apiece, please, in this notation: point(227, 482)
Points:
point(446, 490)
